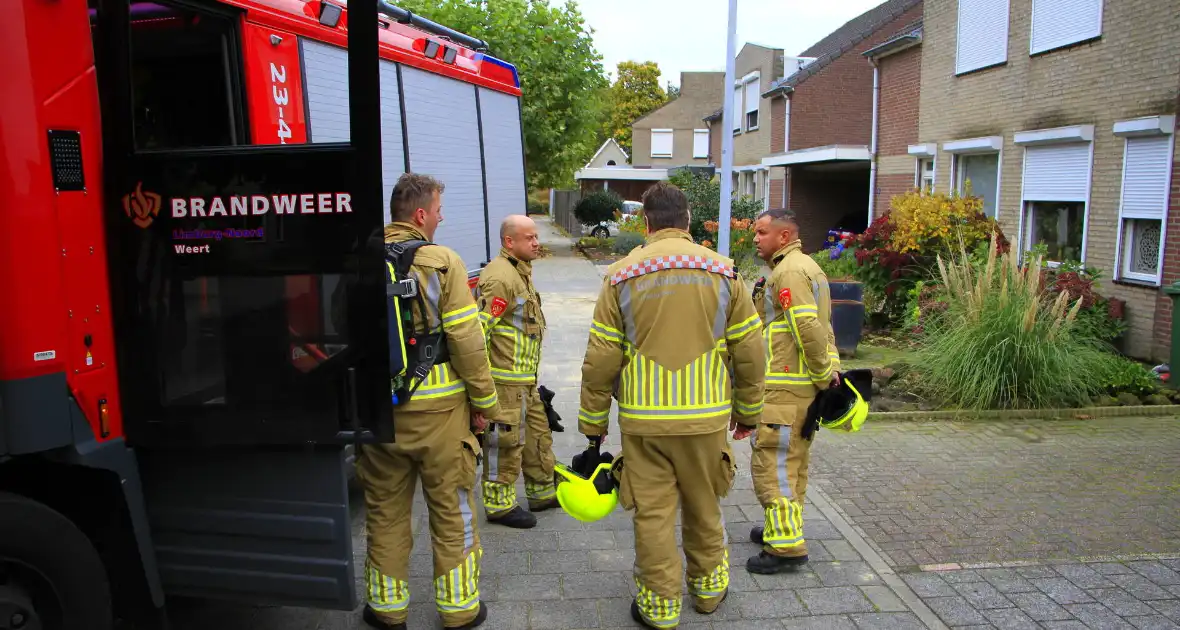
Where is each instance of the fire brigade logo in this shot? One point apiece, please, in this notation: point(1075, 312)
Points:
point(498, 306)
point(141, 207)
point(784, 298)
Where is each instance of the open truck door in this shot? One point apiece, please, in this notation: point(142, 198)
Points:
point(242, 379)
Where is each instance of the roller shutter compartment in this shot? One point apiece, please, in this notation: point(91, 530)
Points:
point(503, 158)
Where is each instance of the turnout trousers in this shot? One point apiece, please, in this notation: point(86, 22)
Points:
point(660, 473)
point(521, 437)
point(438, 449)
point(778, 465)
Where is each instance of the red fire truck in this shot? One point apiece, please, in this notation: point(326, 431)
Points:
point(192, 311)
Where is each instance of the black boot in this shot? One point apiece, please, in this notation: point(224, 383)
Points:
point(480, 617)
point(542, 504)
point(769, 564)
point(371, 618)
point(756, 535)
point(516, 518)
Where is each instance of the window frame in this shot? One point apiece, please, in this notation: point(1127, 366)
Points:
point(918, 162)
point(1129, 131)
point(956, 185)
point(233, 72)
point(697, 134)
point(1041, 138)
point(962, 69)
point(672, 144)
point(1033, 50)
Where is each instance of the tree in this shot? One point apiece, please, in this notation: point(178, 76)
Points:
point(636, 92)
point(673, 91)
point(561, 75)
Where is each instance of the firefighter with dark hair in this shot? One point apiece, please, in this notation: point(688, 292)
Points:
point(434, 439)
point(676, 330)
point(514, 326)
point(796, 315)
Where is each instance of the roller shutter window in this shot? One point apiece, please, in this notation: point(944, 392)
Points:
point(1147, 166)
point(503, 160)
point(982, 34)
point(1056, 190)
point(737, 108)
point(661, 143)
point(443, 130)
point(325, 70)
point(1057, 23)
point(700, 143)
point(753, 102)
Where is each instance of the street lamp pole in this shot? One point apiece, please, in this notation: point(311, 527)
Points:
point(727, 134)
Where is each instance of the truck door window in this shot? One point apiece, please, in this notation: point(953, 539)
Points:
point(185, 77)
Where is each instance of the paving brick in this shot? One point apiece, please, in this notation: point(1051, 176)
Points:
point(1153, 622)
point(1169, 608)
point(1141, 587)
point(803, 578)
point(982, 595)
point(884, 599)
point(611, 559)
point(526, 588)
point(822, 622)
point(501, 615)
point(835, 600)
point(1157, 572)
point(886, 621)
point(561, 615)
point(1062, 591)
point(841, 550)
point(1097, 616)
point(929, 585)
point(1039, 606)
point(1010, 619)
point(584, 541)
point(955, 611)
point(557, 562)
point(1120, 602)
point(769, 604)
point(844, 573)
point(596, 585)
point(1082, 576)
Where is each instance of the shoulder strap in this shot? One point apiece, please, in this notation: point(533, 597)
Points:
point(402, 254)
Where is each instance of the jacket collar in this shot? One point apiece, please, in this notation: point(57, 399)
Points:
point(523, 267)
point(668, 233)
point(404, 232)
point(786, 249)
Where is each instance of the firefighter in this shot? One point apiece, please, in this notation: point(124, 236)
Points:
point(802, 360)
point(434, 440)
point(675, 327)
point(510, 312)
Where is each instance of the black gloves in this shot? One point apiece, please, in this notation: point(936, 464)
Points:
point(586, 462)
point(550, 413)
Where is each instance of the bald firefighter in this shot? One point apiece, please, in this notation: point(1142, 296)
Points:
point(675, 327)
point(510, 311)
point(434, 440)
point(801, 360)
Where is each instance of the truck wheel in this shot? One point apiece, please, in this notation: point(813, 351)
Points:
point(51, 577)
point(600, 232)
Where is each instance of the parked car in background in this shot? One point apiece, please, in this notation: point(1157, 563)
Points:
point(607, 229)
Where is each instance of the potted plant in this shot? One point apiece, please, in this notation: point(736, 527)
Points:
point(838, 262)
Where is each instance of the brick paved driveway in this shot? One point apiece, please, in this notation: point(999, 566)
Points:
point(954, 492)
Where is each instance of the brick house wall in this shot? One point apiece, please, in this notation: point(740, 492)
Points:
point(900, 79)
point(699, 94)
point(1129, 72)
point(1163, 302)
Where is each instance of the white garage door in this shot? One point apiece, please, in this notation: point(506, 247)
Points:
point(325, 71)
point(443, 131)
point(504, 158)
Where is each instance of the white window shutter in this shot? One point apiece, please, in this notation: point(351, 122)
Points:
point(661, 143)
point(737, 109)
point(1057, 23)
point(983, 34)
point(1057, 172)
point(700, 143)
point(753, 95)
point(1146, 169)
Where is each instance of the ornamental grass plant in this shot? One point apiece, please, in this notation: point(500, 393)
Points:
point(1002, 342)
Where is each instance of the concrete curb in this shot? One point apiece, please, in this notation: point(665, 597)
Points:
point(1138, 411)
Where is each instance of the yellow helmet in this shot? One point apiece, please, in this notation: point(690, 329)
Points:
point(587, 500)
point(843, 407)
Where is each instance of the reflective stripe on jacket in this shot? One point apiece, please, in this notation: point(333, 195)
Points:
point(795, 305)
point(675, 328)
point(512, 320)
point(442, 278)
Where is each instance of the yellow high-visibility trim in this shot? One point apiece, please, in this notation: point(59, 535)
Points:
point(739, 330)
point(714, 584)
point(748, 410)
point(593, 417)
point(661, 612)
point(458, 316)
point(606, 332)
point(458, 589)
point(385, 592)
point(484, 402)
point(438, 383)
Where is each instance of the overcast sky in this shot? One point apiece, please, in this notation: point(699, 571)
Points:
point(688, 35)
